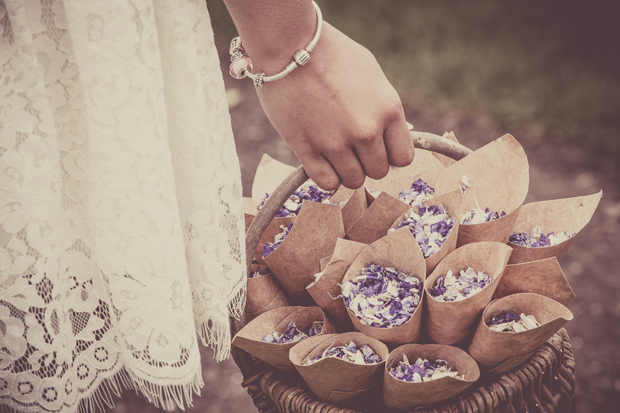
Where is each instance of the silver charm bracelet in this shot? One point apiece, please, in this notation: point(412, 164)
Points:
point(242, 67)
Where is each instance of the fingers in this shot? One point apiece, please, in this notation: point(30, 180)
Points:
point(320, 171)
point(373, 157)
point(398, 142)
point(348, 167)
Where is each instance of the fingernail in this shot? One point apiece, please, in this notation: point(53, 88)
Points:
point(410, 126)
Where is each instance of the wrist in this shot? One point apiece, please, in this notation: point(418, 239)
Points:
point(273, 30)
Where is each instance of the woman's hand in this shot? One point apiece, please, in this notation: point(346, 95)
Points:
point(338, 113)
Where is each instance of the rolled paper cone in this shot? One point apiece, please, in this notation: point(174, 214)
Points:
point(452, 203)
point(269, 174)
point(250, 337)
point(377, 219)
point(490, 348)
point(544, 277)
point(424, 166)
point(451, 322)
point(263, 294)
point(294, 262)
point(445, 161)
point(499, 174)
point(335, 380)
point(570, 215)
point(326, 288)
point(278, 301)
point(396, 250)
point(274, 228)
point(355, 206)
point(399, 394)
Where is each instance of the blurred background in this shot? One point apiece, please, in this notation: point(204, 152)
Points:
point(546, 72)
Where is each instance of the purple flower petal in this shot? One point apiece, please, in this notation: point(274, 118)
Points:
point(455, 288)
point(382, 297)
point(537, 238)
point(351, 353)
point(439, 225)
point(419, 192)
point(268, 247)
point(292, 334)
point(422, 370)
point(293, 205)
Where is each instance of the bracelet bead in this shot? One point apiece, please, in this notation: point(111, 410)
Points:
point(259, 80)
point(301, 57)
point(235, 46)
point(236, 55)
point(240, 66)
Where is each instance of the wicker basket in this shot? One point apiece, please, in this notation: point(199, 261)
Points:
point(545, 383)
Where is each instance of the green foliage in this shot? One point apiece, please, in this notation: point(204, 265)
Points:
point(493, 56)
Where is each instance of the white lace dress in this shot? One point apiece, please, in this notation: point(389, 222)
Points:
point(120, 202)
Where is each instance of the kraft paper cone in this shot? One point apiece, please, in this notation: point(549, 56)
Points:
point(424, 166)
point(397, 250)
point(274, 228)
point(490, 348)
point(398, 394)
point(250, 337)
point(335, 380)
point(263, 294)
point(570, 215)
point(451, 322)
point(328, 285)
point(499, 174)
point(445, 161)
point(544, 277)
point(355, 206)
point(269, 174)
point(452, 203)
point(377, 219)
point(294, 263)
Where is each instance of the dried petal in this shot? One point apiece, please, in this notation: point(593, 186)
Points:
point(537, 238)
point(351, 353)
point(478, 216)
point(423, 370)
point(420, 191)
point(292, 334)
point(510, 322)
point(456, 288)
point(268, 247)
point(305, 193)
point(382, 297)
point(430, 227)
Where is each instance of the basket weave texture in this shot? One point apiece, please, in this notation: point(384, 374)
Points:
point(545, 383)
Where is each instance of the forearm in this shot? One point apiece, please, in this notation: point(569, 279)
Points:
point(273, 30)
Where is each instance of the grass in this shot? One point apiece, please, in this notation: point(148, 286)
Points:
point(497, 57)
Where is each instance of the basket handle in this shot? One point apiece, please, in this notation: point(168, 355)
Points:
point(421, 140)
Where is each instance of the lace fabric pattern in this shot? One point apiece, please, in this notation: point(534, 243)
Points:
point(120, 202)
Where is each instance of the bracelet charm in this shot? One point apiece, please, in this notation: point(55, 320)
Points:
point(240, 67)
